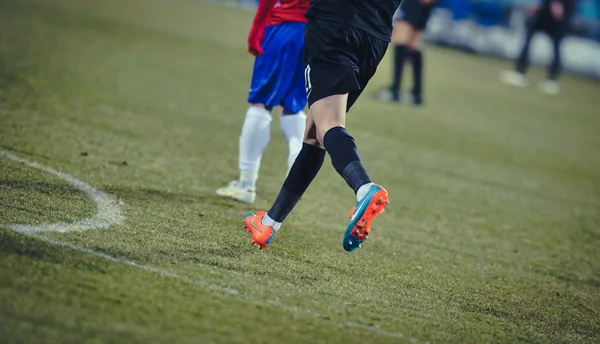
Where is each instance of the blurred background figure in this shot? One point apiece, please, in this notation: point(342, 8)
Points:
point(553, 18)
point(410, 21)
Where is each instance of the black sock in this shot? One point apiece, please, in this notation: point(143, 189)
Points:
point(400, 52)
point(344, 157)
point(303, 171)
point(417, 63)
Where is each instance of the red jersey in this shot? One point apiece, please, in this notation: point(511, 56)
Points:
point(288, 11)
point(273, 12)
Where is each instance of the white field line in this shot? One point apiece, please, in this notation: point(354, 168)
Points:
point(109, 213)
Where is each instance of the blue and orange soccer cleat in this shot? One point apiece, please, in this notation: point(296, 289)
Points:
point(261, 234)
point(362, 215)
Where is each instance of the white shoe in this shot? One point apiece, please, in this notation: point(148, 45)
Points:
point(387, 96)
point(549, 87)
point(514, 78)
point(235, 191)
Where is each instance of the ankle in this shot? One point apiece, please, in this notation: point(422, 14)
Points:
point(363, 190)
point(268, 221)
point(248, 179)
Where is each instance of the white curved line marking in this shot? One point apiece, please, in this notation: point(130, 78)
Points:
point(108, 214)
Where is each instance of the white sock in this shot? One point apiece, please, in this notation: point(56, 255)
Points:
point(293, 129)
point(254, 139)
point(362, 191)
point(267, 221)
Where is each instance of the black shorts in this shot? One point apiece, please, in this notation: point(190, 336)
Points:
point(339, 61)
point(414, 13)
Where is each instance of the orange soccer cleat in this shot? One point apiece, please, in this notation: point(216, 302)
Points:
point(261, 234)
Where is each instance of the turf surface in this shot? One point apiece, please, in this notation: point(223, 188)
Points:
point(492, 233)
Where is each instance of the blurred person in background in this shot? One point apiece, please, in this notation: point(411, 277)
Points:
point(276, 39)
point(410, 21)
point(553, 18)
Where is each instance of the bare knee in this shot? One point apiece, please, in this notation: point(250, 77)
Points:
point(310, 133)
point(314, 142)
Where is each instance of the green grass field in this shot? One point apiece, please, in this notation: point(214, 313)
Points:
point(492, 234)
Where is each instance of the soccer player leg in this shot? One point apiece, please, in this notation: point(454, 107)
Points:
point(305, 167)
point(253, 140)
point(335, 88)
point(303, 171)
point(264, 225)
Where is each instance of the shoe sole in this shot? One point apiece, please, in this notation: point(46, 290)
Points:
point(377, 206)
point(236, 196)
